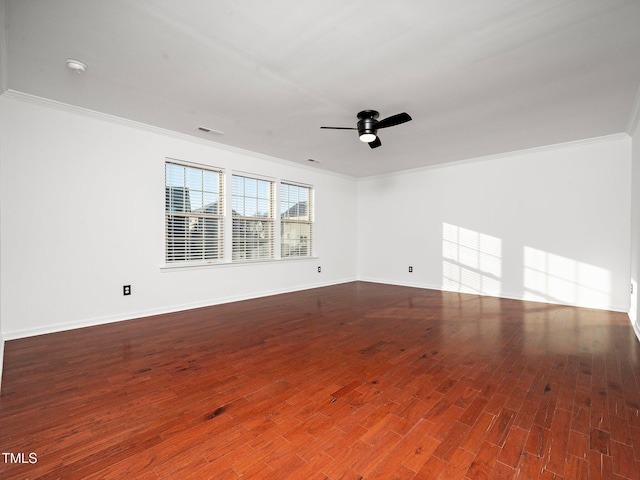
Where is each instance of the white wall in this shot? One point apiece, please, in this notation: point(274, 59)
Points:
point(548, 224)
point(82, 201)
point(3, 83)
point(635, 231)
point(81, 210)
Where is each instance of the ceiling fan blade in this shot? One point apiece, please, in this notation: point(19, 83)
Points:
point(393, 120)
point(340, 128)
point(376, 143)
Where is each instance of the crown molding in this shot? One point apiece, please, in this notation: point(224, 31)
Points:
point(634, 118)
point(65, 107)
point(515, 153)
point(4, 52)
point(86, 112)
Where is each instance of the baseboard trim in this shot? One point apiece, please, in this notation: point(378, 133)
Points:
point(61, 327)
point(17, 334)
point(508, 296)
point(1, 358)
point(636, 329)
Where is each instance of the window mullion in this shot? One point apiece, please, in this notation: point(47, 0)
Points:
point(193, 234)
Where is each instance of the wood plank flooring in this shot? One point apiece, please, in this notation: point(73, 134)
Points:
point(353, 381)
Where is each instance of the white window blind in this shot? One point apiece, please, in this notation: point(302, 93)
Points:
point(296, 220)
point(252, 211)
point(194, 214)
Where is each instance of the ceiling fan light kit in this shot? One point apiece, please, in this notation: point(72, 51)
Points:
point(367, 137)
point(368, 125)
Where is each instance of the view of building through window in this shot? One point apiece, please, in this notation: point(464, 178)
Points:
point(194, 214)
point(296, 221)
point(252, 211)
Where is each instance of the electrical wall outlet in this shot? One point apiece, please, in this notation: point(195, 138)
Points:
point(319, 269)
point(410, 269)
point(126, 289)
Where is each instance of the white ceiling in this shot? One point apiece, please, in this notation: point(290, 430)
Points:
point(478, 77)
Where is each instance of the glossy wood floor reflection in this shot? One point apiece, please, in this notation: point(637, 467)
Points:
point(354, 381)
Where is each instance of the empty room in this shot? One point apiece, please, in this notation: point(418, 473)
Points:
point(319, 240)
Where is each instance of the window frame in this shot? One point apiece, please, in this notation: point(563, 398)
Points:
point(225, 220)
point(286, 206)
point(245, 237)
point(194, 220)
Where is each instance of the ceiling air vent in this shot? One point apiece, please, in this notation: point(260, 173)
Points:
point(209, 130)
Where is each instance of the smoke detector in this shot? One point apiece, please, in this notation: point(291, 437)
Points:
point(76, 65)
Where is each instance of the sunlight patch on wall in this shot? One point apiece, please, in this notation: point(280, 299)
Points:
point(549, 277)
point(471, 261)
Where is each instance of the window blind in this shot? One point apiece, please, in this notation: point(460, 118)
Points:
point(296, 220)
point(194, 214)
point(252, 212)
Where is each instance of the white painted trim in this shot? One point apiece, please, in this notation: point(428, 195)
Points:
point(179, 308)
point(4, 49)
point(633, 121)
point(636, 329)
point(634, 117)
point(186, 163)
point(4, 76)
point(148, 313)
point(1, 358)
point(13, 94)
point(515, 153)
point(238, 263)
point(608, 308)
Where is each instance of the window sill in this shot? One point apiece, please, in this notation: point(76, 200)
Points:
point(198, 266)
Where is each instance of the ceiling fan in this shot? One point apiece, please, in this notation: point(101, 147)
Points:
point(368, 125)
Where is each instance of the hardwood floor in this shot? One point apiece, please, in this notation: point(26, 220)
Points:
point(354, 381)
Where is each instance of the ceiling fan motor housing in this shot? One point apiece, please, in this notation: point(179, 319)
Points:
point(367, 122)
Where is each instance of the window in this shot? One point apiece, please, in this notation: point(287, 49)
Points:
point(194, 214)
point(252, 211)
point(197, 198)
point(296, 221)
